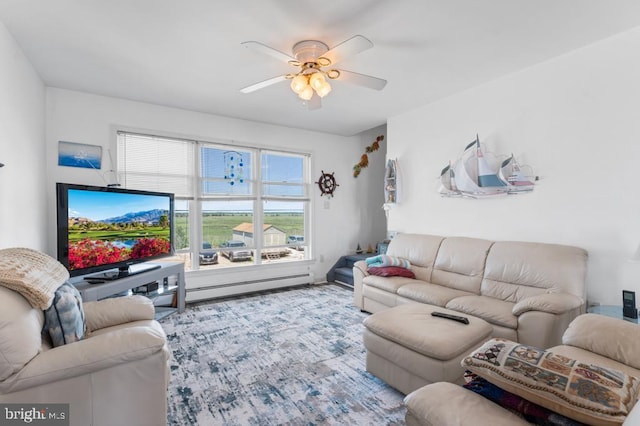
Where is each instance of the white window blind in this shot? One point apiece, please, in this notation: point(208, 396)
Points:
point(154, 163)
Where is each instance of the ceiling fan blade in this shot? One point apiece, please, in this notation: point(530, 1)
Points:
point(259, 47)
point(263, 84)
point(347, 48)
point(362, 80)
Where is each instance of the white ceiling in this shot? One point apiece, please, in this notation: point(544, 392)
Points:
point(187, 54)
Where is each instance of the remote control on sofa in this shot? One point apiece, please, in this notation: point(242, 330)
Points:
point(463, 320)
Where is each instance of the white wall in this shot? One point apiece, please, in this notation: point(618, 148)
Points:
point(369, 186)
point(351, 216)
point(576, 120)
point(23, 208)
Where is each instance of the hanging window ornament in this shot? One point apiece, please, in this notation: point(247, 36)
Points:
point(233, 167)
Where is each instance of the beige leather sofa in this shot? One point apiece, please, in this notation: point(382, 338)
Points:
point(528, 292)
point(117, 375)
point(590, 338)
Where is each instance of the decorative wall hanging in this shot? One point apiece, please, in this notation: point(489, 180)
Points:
point(391, 182)
point(233, 167)
point(364, 159)
point(73, 154)
point(476, 174)
point(390, 185)
point(327, 184)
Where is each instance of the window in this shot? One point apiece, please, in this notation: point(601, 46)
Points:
point(156, 164)
point(225, 172)
point(234, 205)
point(285, 197)
point(181, 227)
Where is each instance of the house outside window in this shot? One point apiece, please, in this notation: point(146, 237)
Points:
point(235, 206)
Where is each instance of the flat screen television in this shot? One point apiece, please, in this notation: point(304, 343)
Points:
point(101, 229)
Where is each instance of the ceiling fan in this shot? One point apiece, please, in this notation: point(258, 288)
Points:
point(313, 60)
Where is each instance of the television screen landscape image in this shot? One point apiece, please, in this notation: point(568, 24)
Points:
point(104, 228)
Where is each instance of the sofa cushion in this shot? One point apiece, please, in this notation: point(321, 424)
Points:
point(516, 270)
point(432, 294)
point(64, 320)
point(489, 309)
point(390, 284)
point(33, 274)
point(412, 326)
point(20, 327)
point(460, 263)
point(420, 250)
point(585, 392)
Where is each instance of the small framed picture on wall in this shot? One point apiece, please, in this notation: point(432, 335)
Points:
point(72, 154)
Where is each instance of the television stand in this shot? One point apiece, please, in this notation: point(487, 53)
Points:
point(135, 269)
point(109, 288)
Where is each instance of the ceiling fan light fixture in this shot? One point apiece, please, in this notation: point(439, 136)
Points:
point(298, 83)
point(323, 90)
point(333, 74)
point(310, 57)
point(317, 80)
point(306, 93)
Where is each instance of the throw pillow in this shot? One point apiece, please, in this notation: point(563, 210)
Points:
point(585, 392)
point(391, 271)
point(64, 320)
point(33, 274)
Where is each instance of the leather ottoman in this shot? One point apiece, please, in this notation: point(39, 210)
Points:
point(408, 348)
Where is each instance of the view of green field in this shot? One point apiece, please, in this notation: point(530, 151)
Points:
point(217, 227)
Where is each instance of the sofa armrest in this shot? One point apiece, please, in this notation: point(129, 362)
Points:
point(89, 355)
point(610, 337)
point(553, 303)
point(116, 311)
point(444, 403)
point(359, 272)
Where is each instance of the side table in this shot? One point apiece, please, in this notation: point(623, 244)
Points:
point(610, 311)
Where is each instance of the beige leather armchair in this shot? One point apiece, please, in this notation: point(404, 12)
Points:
point(117, 375)
point(590, 338)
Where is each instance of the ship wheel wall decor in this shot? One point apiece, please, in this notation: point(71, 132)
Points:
point(327, 184)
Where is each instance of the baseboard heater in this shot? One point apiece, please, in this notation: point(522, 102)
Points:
point(247, 286)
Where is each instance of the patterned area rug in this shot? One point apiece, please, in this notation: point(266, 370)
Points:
point(291, 357)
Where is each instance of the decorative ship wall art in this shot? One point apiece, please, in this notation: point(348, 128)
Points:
point(477, 175)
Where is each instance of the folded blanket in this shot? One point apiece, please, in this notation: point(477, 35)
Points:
point(385, 260)
point(527, 410)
